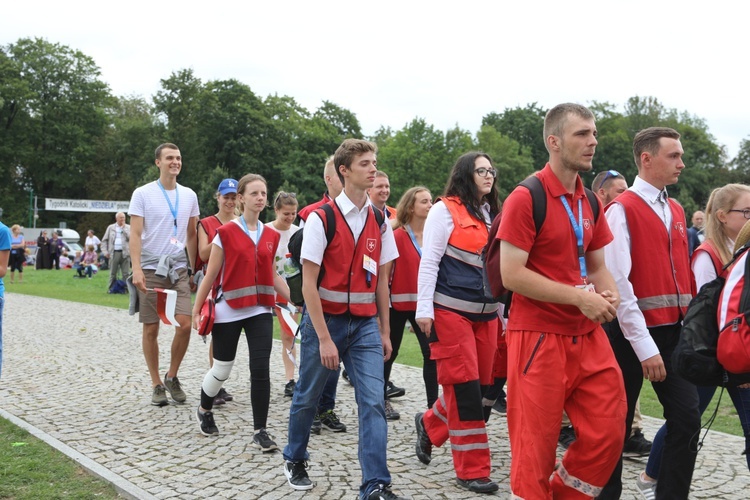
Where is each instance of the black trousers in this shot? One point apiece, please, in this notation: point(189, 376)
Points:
point(680, 401)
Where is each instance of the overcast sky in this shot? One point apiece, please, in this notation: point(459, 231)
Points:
point(447, 62)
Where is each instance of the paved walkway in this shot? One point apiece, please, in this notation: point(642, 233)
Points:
point(74, 374)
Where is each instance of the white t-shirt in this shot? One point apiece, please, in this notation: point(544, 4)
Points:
point(92, 240)
point(158, 222)
point(224, 312)
point(283, 249)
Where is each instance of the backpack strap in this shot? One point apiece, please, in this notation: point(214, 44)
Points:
point(539, 200)
point(329, 222)
point(379, 215)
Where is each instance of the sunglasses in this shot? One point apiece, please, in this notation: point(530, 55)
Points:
point(611, 174)
point(283, 195)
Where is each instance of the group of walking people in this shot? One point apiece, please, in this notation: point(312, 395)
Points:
point(599, 293)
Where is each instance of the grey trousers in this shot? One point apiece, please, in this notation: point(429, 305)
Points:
point(117, 261)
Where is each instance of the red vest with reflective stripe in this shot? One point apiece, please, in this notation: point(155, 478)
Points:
point(661, 277)
point(405, 271)
point(460, 286)
point(710, 249)
point(248, 269)
point(210, 225)
point(344, 286)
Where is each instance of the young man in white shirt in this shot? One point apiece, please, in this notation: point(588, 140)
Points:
point(163, 223)
point(341, 320)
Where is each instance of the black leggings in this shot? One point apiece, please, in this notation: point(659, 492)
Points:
point(259, 335)
point(398, 321)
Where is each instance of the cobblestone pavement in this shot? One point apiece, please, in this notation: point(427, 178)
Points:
point(76, 373)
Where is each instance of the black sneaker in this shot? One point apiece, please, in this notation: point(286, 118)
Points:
point(345, 376)
point(394, 392)
point(567, 436)
point(223, 394)
point(480, 485)
point(218, 400)
point(263, 441)
point(296, 475)
point(330, 421)
point(207, 424)
point(501, 406)
point(383, 492)
point(289, 388)
point(637, 445)
point(390, 413)
point(316, 426)
point(424, 445)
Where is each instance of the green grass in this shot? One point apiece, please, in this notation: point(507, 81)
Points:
point(62, 285)
point(30, 469)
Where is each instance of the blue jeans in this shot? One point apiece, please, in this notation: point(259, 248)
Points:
point(2, 304)
point(741, 400)
point(361, 350)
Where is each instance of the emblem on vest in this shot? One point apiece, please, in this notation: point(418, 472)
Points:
point(681, 228)
point(370, 244)
point(269, 246)
point(586, 224)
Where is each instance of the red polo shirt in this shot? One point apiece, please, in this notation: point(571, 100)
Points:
point(553, 253)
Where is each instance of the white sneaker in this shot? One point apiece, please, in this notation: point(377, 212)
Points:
point(646, 488)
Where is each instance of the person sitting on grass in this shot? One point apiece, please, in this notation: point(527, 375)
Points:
point(89, 261)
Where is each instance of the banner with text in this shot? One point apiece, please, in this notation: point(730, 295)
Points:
point(86, 205)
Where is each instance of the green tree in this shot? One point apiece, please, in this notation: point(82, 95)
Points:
point(525, 126)
point(53, 116)
point(512, 161)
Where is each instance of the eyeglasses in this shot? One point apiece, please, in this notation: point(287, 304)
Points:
point(484, 172)
point(745, 212)
point(610, 175)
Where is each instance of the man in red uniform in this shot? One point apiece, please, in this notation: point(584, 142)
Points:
point(558, 354)
point(649, 261)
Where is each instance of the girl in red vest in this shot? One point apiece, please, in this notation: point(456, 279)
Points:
point(226, 198)
point(241, 268)
point(461, 324)
point(725, 216)
point(411, 215)
point(285, 206)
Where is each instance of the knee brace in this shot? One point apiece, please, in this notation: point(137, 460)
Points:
point(216, 376)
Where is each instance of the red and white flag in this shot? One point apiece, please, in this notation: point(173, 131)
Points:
point(166, 301)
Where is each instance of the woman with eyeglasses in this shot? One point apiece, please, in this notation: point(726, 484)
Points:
point(226, 198)
point(411, 214)
point(285, 206)
point(242, 264)
point(460, 322)
point(727, 211)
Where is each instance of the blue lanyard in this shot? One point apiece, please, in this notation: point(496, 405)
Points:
point(578, 230)
point(172, 208)
point(414, 240)
point(247, 231)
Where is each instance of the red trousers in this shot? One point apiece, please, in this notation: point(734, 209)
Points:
point(546, 374)
point(500, 367)
point(464, 354)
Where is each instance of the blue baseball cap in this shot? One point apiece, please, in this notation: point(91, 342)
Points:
point(227, 186)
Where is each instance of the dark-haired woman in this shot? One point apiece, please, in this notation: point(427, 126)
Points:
point(461, 323)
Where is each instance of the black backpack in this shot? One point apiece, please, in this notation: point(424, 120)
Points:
point(494, 291)
point(294, 280)
point(694, 358)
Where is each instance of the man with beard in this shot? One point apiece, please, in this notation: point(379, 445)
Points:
point(559, 357)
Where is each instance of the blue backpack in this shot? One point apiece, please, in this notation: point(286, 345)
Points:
point(118, 286)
